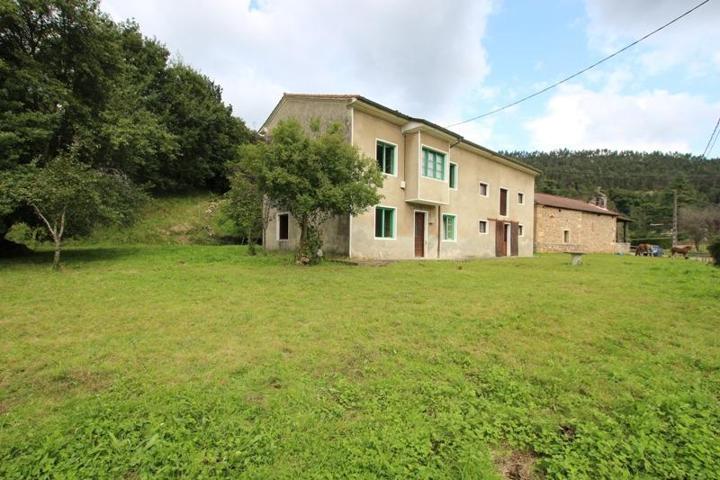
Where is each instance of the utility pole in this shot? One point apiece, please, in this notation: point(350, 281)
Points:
point(675, 219)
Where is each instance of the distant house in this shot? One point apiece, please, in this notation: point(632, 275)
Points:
point(565, 224)
point(443, 196)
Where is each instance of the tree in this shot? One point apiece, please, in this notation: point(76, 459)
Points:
point(315, 177)
point(700, 224)
point(71, 199)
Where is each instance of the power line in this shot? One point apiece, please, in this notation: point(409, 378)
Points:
point(539, 92)
point(713, 138)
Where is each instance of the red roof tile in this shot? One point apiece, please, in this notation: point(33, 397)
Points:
point(571, 204)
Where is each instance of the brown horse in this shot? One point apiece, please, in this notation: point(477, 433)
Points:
point(643, 249)
point(682, 250)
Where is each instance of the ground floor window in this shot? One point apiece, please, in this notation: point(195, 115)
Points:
point(520, 231)
point(283, 226)
point(483, 226)
point(566, 236)
point(384, 222)
point(449, 223)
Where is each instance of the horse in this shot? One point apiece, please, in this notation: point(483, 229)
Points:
point(643, 249)
point(682, 250)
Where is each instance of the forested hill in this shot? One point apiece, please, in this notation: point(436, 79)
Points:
point(638, 184)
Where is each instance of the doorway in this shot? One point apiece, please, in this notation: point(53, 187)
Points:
point(420, 220)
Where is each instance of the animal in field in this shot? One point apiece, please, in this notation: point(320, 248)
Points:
point(643, 249)
point(681, 250)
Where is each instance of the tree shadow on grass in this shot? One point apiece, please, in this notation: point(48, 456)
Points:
point(70, 256)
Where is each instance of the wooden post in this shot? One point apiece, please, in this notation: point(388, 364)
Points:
point(675, 219)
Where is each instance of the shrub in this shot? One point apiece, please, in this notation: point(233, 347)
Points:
point(714, 249)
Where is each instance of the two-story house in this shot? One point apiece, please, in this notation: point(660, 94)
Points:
point(443, 196)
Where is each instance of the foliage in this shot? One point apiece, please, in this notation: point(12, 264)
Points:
point(700, 224)
point(714, 249)
point(72, 199)
point(639, 184)
point(244, 207)
point(315, 177)
point(72, 79)
point(215, 365)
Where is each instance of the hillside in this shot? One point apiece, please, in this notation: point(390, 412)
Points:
point(639, 184)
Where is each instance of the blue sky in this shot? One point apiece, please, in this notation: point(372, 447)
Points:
point(447, 61)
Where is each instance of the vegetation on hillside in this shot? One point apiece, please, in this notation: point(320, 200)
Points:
point(74, 82)
point(639, 184)
point(202, 362)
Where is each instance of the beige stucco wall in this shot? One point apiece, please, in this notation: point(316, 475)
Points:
point(465, 202)
point(334, 233)
point(589, 232)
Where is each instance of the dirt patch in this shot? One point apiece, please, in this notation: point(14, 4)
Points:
point(80, 379)
point(515, 465)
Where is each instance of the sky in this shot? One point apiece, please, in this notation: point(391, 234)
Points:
point(447, 61)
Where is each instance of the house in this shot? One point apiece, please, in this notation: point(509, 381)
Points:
point(565, 224)
point(443, 196)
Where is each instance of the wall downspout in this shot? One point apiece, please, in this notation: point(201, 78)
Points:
point(439, 230)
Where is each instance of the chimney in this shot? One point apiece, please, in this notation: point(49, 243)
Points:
point(600, 199)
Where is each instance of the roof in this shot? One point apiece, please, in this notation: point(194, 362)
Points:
point(572, 204)
point(359, 98)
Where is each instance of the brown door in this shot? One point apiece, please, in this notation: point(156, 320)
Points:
point(419, 234)
point(500, 239)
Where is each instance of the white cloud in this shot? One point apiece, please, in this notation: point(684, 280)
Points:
point(417, 57)
point(577, 117)
point(692, 42)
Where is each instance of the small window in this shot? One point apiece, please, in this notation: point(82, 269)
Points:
point(520, 231)
point(449, 227)
point(483, 226)
point(483, 189)
point(283, 226)
point(385, 154)
point(452, 175)
point(503, 201)
point(521, 198)
point(566, 236)
point(433, 164)
point(384, 222)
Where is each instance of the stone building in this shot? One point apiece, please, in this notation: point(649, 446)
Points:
point(568, 225)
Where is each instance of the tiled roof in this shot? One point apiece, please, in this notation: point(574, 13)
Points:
point(571, 204)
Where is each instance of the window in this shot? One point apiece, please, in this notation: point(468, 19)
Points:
point(449, 227)
point(566, 236)
point(483, 226)
point(503, 201)
point(283, 226)
point(384, 222)
point(484, 189)
point(433, 164)
point(385, 154)
point(520, 230)
point(521, 198)
point(452, 175)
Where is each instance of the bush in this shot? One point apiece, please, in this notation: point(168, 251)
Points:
point(714, 249)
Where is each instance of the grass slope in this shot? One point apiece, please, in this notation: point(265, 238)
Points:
point(201, 362)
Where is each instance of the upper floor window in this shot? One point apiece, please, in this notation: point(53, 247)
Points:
point(453, 175)
point(484, 189)
point(483, 226)
point(385, 154)
point(521, 198)
point(433, 164)
point(566, 236)
point(503, 201)
point(521, 231)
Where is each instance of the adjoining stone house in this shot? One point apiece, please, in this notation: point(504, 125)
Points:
point(565, 224)
point(443, 196)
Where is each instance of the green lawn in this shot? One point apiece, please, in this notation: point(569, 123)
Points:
point(202, 362)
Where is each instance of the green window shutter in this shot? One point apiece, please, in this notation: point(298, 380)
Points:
point(453, 175)
point(384, 222)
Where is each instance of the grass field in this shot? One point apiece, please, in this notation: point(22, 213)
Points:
point(202, 362)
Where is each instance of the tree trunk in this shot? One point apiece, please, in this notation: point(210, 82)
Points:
point(56, 257)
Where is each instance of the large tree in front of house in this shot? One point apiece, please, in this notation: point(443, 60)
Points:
point(314, 177)
point(69, 198)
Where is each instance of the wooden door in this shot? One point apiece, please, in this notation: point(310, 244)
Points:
point(500, 239)
point(419, 234)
